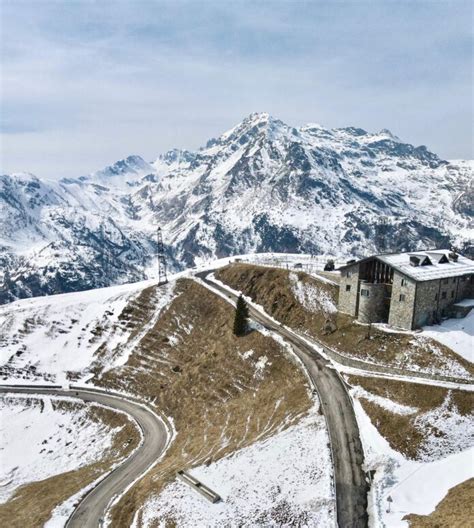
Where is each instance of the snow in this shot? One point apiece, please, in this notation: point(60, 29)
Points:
point(58, 334)
point(465, 302)
point(40, 442)
point(414, 486)
point(385, 403)
point(310, 264)
point(311, 297)
point(457, 334)
point(405, 378)
point(311, 182)
point(435, 270)
point(290, 469)
point(260, 365)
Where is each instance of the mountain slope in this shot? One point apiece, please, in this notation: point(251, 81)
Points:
point(261, 186)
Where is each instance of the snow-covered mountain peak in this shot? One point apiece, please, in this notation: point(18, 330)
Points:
point(387, 134)
point(261, 186)
point(122, 174)
point(22, 176)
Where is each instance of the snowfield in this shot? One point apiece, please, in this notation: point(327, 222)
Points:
point(48, 338)
point(457, 334)
point(284, 479)
point(40, 440)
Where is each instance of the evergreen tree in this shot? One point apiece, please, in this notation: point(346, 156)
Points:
point(329, 265)
point(241, 316)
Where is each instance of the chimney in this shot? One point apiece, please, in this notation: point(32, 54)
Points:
point(414, 261)
point(453, 256)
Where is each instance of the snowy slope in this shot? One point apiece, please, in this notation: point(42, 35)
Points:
point(285, 480)
point(414, 486)
point(457, 334)
point(261, 186)
point(61, 337)
point(40, 440)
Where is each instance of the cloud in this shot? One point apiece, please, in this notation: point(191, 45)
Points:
point(85, 83)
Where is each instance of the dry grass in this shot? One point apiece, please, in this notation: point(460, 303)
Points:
point(32, 504)
point(271, 288)
point(402, 431)
point(191, 366)
point(456, 510)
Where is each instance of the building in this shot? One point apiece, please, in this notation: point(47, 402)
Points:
point(407, 290)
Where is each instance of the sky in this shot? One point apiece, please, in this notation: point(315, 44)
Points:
point(85, 83)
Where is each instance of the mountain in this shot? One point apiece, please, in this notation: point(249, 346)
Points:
point(261, 186)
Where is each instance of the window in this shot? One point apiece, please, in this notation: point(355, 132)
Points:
point(348, 287)
point(402, 297)
point(454, 280)
point(443, 295)
point(436, 297)
point(404, 282)
point(445, 281)
point(452, 295)
point(348, 274)
point(364, 293)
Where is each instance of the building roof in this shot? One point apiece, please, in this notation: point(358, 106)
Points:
point(434, 264)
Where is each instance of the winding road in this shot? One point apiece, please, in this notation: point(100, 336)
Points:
point(351, 483)
point(92, 508)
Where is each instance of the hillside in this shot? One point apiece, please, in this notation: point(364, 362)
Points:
point(261, 186)
point(172, 346)
point(304, 303)
point(418, 446)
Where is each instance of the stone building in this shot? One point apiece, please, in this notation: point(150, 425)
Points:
point(407, 290)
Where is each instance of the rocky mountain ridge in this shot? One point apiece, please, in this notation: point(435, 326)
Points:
point(261, 186)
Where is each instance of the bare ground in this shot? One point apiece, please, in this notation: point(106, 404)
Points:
point(192, 368)
point(272, 289)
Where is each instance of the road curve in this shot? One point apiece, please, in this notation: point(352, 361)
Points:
point(348, 456)
point(91, 509)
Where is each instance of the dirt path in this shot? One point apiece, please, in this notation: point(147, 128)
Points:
point(350, 481)
point(91, 509)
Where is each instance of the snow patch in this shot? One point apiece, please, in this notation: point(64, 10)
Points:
point(290, 471)
point(414, 487)
point(311, 297)
point(457, 334)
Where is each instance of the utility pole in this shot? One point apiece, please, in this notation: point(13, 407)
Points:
point(162, 277)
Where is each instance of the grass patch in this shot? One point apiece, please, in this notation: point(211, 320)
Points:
point(412, 434)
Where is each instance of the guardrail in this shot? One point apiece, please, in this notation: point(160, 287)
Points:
point(198, 486)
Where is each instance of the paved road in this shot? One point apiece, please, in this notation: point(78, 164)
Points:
point(92, 508)
point(348, 456)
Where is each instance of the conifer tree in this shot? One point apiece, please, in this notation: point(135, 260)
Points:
point(241, 316)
